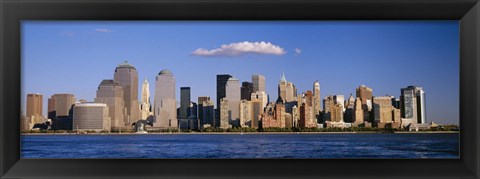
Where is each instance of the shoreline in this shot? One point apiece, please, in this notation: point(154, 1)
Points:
point(248, 133)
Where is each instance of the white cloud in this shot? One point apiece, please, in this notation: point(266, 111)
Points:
point(103, 30)
point(298, 51)
point(241, 48)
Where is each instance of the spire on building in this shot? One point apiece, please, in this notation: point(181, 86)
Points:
point(283, 79)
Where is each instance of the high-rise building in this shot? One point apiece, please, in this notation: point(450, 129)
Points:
point(165, 105)
point(306, 120)
point(258, 83)
point(207, 113)
point(412, 102)
point(127, 76)
point(221, 84)
point(35, 107)
point(201, 100)
point(333, 108)
point(365, 94)
point(385, 115)
point(246, 90)
point(91, 116)
point(340, 99)
point(259, 102)
point(316, 98)
point(349, 109)
point(60, 105)
point(184, 102)
point(146, 106)
point(110, 93)
point(232, 94)
point(358, 112)
point(225, 114)
point(286, 90)
point(246, 113)
point(60, 110)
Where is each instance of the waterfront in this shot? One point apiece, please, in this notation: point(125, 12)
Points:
point(409, 145)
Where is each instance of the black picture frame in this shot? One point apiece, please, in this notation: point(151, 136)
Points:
point(12, 12)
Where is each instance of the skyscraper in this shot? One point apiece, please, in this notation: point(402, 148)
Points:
point(110, 93)
point(232, 94)
point(184, 102)
point(221, 84)
point(224, 114)
point(165, 108)
point(60, 105)
point(246, 90)
point(127, 76)
point(286, 90)
point(259, 102)
point(245, 112)
point(258, 83)
point(365, 94)
point(412, 102)
point(146, 107)
point(35, 107)
point(207, 113)
point(60, 110)
point(316, 97)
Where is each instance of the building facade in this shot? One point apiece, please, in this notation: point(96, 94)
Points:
point(232, 94)
point(110, 92)
point(146, 106)
point(91, 116)
point(246, 90)
point(258, 83)
point(127, 76)
point(35, 108)
point(165, 105)
point(184, 102)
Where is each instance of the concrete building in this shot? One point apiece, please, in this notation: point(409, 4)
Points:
point(225, 114)
point(232, 94)
point(221, 87)
point(316, 98)
point(258, 83)
point(286, 90)
point(358, 112)
point(412, 105)
point(333, 108)
point(274, 116)
point(146, 106)
point(385, 115)
point(259, 101)
point(184, 102)
point(349, 109)
point(365, 94)
point(306, 120)
point(127, 76)
point(207, 114)
point(246, 113)
point(35, 108)
point(111, 93)
point(202, 121)
point(165, 105)
point(246, 90)
point(91, 116)
point(60, 111)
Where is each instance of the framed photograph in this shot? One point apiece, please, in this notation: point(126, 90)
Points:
point(239, 89)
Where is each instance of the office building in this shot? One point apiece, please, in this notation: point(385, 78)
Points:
point(225, 114)
point(412, 102)
point(165, 105)
point(246, 113)
point(184, 102)
point(258, 83)
point(110, 93)
point(222, 80)
point(246, 90)
point(146, 106)
point(127, 76)
point(232, 94)
point(35, 108)
point(91, 116)
point(316, 98)
point(207, 114)
point(286, 90)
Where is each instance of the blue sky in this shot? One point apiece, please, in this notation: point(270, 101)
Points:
point(75, 56)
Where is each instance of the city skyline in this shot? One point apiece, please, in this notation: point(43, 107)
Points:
point(442, 96)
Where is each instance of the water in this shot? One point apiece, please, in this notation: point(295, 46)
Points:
point(242, 146)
